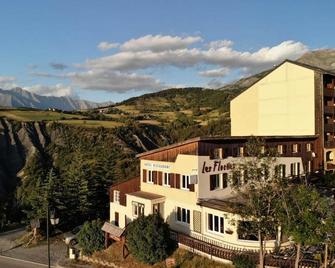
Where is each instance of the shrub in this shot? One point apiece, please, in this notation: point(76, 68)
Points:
point(243, 261)
point(148, 238)
point(91, 237)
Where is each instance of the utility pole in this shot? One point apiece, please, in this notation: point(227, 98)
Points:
point(48, 218)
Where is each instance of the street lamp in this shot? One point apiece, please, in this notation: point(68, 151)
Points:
point(51, 216)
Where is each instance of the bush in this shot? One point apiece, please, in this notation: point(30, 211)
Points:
point(91, 237)
point(243, 261)
point(148, 239)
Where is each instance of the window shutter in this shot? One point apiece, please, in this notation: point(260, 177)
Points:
point(192, 187)
point(154, 177)
point(171, 180)
point(211, 182)
point(111, 195)
point(177, 177)
point(160, 177)
point(144, 175)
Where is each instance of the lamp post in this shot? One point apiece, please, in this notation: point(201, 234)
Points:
point(51, 216)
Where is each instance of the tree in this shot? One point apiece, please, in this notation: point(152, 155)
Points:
point(255, 181)
point(306, 216)
point(91, 237)
point(148, 238)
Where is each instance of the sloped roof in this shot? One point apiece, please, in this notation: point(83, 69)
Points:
point(112, 229)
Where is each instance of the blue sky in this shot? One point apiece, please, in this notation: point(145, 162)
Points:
point(52, 47)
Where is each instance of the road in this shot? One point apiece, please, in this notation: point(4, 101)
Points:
point(7, 262)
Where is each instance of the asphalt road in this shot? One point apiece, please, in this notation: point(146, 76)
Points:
point(6, 262)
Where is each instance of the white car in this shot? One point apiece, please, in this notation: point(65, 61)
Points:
point(70, 238)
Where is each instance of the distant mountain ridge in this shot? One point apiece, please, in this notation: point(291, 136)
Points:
point(18, 97)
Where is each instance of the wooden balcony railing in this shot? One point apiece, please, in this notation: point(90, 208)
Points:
point(329, 109)
point(329, 92)
point(330, 128)
point(229, 254)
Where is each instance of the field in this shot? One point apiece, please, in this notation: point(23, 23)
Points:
point(26, 115)
point(91, 123)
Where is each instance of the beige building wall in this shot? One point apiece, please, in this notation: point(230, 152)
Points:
point(281, 103)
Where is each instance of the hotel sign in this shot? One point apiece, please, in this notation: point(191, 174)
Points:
point(216, 166)
point(157, 165)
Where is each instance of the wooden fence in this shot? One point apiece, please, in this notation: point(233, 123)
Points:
point(228, 254)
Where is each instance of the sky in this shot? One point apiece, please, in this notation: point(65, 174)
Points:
point(105, 50)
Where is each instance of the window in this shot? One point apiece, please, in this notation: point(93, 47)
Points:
point(116, 196)
point(138, 209)
point(281, 171)
point(166, 180)
point(185, 184)
point(150, 177)
point(280, 149)
point(217, 153)
point(183, 215)
point(215, 223)
point(294, 148)
point(308, 147)
point(295, 169)
point(218, 181)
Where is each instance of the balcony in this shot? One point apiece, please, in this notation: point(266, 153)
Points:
point(329, 92)
point(329, 143)
point(330, 128)
point(329, 109)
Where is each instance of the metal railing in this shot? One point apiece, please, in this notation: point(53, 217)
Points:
point(227, 253)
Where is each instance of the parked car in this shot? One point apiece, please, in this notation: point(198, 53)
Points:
point(70, 238)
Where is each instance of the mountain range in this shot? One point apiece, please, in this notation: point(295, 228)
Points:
point(18, 97)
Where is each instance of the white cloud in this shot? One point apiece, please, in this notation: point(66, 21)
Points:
point(189, 57)
point(159, 43)
point(114, 81)
point(58, 90)
point(220, 43)
point(7, 82)
point(215, 72)
point(103, 46)
point(118, 71)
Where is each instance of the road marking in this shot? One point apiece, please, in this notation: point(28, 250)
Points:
point(30, 262)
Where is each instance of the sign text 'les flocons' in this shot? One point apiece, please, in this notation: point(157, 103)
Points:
point(215, 166)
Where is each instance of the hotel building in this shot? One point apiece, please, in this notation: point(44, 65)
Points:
point(189, 183)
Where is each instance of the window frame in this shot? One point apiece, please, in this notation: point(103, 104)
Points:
point(187, 177)
point(138, 208)
point(150, 177)
point(183, 212)
point(116, 193)
point(166, 175)
point(217, 224)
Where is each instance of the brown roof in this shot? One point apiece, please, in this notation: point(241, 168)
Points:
point(146, 195)
point(222, 138)
point(112, 229)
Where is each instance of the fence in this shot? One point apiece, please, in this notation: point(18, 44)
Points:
point(228, 254)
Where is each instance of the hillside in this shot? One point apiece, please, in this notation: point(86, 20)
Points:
point(19, 97)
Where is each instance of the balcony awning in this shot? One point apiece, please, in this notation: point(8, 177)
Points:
point(113, 230)
point(147, 195)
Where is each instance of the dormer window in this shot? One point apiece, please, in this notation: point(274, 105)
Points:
point(280, 149)
point(295, 148)
point(241, 151)
point(217, 153)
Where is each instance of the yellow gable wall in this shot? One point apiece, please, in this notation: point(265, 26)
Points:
point(282, 103)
